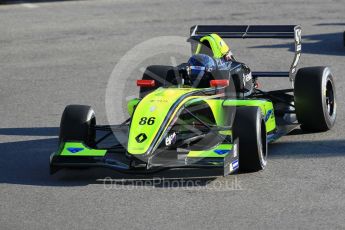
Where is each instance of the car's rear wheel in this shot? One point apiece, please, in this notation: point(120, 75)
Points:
point(315, 98)
point(249, 127)
point(163, 76)
point(77, 124)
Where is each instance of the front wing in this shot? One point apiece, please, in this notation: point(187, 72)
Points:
point(222, 157)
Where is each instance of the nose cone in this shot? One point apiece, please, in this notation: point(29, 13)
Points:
point(151, 118)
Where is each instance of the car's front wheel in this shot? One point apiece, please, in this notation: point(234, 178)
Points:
point(77, 124)
point(249, 127)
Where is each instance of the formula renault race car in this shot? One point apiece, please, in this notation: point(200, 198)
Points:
point(217, 123)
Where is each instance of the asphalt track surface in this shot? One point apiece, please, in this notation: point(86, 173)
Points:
point(56, 53)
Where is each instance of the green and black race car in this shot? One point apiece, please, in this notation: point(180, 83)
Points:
point(215, 122)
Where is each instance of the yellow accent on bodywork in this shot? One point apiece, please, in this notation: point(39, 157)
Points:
point(217, 44)
point(155, 105)
point(211, 152)
point(85, 151)
point(264, 105)
point(216, 106)
point(225, 132)
point(131, 105)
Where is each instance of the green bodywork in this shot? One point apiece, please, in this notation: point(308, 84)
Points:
point(266, 107)
point(167, 102)
point(79, 149)
point(210, 152)
point(131, 106)
point(217, 44)
point(154, 106)
point(160, 109)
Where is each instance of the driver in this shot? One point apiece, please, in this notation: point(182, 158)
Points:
point(200, 70)
point(213, 59)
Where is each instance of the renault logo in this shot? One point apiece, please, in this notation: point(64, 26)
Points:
point(141, 137)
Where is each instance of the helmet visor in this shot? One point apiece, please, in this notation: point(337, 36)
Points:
point(196, 71)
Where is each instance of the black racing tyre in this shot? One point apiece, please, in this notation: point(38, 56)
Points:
point(163, 76)
point(77, 124)
point(250, 129)
point(315, 99)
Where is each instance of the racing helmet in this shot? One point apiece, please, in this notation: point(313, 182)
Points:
point(200, 68)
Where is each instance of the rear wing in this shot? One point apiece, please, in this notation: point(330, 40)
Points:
point(256, 31)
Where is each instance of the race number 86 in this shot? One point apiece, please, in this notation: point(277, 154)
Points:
point(145, 120)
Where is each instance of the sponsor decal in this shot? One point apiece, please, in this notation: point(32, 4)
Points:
point(268, 114)
point(235, 164)
point(159, 100)
point(75, 150)
point(170, 139)
point(141, 138)
point(221, 151)
point(247, 77)
point(298, 35)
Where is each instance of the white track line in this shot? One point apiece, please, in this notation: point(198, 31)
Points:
point(29, 5)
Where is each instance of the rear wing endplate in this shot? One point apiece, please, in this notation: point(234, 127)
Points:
point(255, 31)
